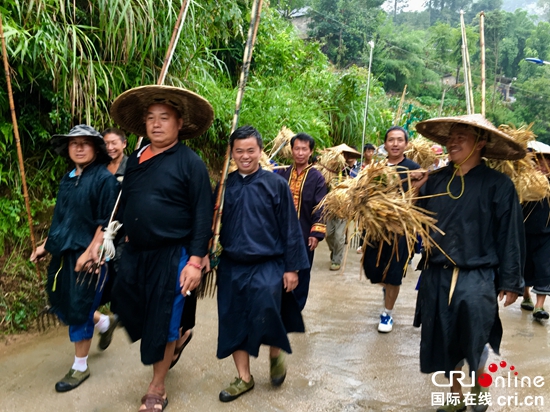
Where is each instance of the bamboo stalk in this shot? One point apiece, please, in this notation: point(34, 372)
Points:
point(18, 142)
point(170, 51)
point(465, 64)
point(247, 58)
point(482, 44)
point(400, 108)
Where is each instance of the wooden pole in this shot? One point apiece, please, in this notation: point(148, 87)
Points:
point(247, 58)
point(170, 51)
point(18, 141)
point(482, 44)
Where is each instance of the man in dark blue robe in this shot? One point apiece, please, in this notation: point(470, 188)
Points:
point(478, 210)
point(537, 237)
point(308, 188)
point(263, 250)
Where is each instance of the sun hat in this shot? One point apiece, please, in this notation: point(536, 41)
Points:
point(60, 141)
point(437, 149)
point(499, 144)
point(128, 109)
point(344, 148)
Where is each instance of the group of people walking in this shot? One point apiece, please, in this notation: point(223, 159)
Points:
point(270, 230)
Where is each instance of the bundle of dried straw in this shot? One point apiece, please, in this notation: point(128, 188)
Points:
point(280, 146)
point(420, 151)
point(330, 163)
point(375, 200)
point(531, 184)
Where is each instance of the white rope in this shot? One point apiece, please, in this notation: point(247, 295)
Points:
point(109, 250)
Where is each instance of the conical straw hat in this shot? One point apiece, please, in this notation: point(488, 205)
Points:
point(499, 144)
point(344, 148)
point(128, 109)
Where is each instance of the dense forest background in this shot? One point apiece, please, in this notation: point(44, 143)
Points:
point(70, 59)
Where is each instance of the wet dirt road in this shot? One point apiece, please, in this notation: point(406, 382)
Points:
point(340, 364)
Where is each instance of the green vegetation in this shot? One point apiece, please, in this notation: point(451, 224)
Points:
point(70, 59)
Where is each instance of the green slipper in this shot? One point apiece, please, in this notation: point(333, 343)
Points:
point(72, 380)
point(277, 370)
point(236, 389)
point(527, 304)
point(106, 337)
point(540, 313)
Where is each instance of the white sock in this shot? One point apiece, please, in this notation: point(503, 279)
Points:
point(80, 364)
point(387, 312)
point(103, 323)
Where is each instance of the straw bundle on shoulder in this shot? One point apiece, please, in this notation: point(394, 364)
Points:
point(375, 200)
point(330, 163)
point(420, 151)
point(280, 146)
point(531, 184)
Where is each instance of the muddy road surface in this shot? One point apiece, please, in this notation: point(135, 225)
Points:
point(341, 363)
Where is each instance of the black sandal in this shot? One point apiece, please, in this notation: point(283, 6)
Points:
point(179, 350)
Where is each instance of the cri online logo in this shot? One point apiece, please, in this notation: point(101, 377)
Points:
point(486, 380)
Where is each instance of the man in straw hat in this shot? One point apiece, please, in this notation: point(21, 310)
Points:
point(537, 237)
point(166, 209)
point(84, 203)
point(387, 264)
point(478, 210)
point(263, 250)
point(308, 188)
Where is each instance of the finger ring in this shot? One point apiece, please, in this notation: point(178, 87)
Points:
point(188, 293)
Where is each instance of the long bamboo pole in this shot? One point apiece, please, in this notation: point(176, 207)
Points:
point(482, 45)
point(464, 64)
point(170, 51)
point(371, 44)
point(400, 108)
point(247, 58)
point(469, 67)
point(18, 142)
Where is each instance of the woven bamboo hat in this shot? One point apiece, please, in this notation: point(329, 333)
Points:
point(128, 109)
point(344, 148)
point(499, 144)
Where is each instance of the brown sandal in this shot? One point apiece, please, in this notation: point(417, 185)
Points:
point(151, 400)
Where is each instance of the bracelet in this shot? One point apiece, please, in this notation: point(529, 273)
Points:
point(195, 265)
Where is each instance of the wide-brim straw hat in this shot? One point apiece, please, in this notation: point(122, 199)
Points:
point(499, 144)
point(344, 148)
point(60, 142)
point(128, 109)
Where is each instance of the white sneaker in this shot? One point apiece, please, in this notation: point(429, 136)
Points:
point(386, 323)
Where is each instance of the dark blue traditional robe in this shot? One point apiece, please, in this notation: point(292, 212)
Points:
point(537, 237)
point(166, 204)
point(261, 240)
point(484, 237)
point(307, 190)
point(84, 203)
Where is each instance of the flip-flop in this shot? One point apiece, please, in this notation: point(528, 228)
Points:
point(150, 400)
point(179, 350)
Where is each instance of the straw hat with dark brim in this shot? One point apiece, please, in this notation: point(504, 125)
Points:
point(60, 142)
point(128, 110)
point(499, 145)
